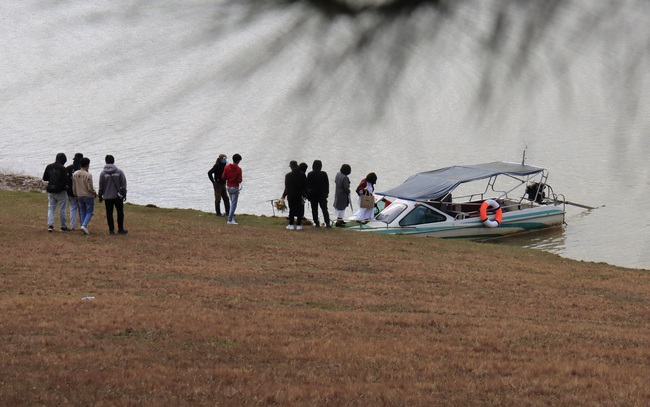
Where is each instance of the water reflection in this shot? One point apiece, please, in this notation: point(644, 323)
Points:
point(550, 240)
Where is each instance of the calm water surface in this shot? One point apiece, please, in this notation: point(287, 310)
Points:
point(155, 87)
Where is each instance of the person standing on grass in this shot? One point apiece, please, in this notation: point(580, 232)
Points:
point(57, 180)
point(82, 187)
point(112, 190)
point(72, 199)
point(232, 174)
point(219, 185)
point(342, 193)
point(318, 187)
point(295, 188)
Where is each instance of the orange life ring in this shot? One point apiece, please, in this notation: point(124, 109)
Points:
point(484, 217)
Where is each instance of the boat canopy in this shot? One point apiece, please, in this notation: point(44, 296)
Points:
point(434, 185)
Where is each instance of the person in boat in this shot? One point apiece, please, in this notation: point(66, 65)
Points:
point(295, 189)
point(318, 187)
point(366, 187)
point(342, 193)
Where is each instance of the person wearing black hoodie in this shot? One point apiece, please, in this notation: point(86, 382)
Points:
point(318, 187)
point(295, 186)
point(112, 190)
point(57, 180)
point(219, 185)
point(72, 199)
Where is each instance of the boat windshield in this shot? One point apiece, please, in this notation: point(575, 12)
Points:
point(391, 212)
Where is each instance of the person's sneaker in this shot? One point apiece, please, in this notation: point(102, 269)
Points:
point(111, 232)
point(232, 222)
point(329, 226)
point(122, 232)
point(290, 227)
point(85, 230)
point(299, 227)
point(50, 228)
point(65, 229)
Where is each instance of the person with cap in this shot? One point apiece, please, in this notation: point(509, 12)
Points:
point(219, 185)
point(72, 199)
point(57, 181)
point(342, 193)
point(82, 186)
point(112, 190)
point(232, 174)
point(295, 188)
point(318, 187)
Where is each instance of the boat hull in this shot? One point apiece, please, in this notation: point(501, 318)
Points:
point(472, 228)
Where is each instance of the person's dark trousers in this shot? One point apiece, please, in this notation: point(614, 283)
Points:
point(219, 194)
point(119, 207)
point(315, 203)
point(297, 210)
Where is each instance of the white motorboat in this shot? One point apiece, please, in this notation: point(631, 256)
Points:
point(471, 201)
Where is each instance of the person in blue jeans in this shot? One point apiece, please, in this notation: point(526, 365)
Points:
point(72, 199)
point(233, 176)
point(82, 187)
point(57, 180)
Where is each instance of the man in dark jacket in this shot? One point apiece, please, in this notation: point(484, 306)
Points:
point(112, 190)
point(72, 199)
point(318, 187)
point(57, 180)
point(219, 185)
point(295, 188)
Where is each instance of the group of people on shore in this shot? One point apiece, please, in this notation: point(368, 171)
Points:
point(299, 186)
point(74, 185)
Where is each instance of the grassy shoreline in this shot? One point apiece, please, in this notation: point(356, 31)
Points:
point(189, 310)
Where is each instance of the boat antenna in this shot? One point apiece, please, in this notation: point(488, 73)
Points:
point(523, 158)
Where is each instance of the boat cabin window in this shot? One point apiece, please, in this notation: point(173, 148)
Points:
point(381, 204)
point(391, 212)
point(420, 215)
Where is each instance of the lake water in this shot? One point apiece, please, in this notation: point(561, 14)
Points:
point(167, 86)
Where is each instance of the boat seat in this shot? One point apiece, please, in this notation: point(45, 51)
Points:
point(471, 210)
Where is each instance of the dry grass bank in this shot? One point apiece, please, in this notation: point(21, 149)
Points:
point(188, 310)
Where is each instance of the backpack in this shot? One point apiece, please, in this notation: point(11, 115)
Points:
point(57, 180)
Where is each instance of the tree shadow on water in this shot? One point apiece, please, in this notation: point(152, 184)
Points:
point(365, 48)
